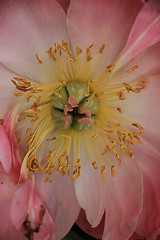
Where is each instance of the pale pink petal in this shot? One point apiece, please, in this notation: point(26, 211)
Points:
point(99, 22)
point(7, 188)
point(44, 224)
point(27, 28)
point(19, 204)
point(145, 31)
point(46, 229)
point(8, 100)
point(5, 150)
point(7, 230)
point(9, 125)
point(146, 64)
point(64, 4)
point(120, 197)
point(144, 108)
point(149, 160)
point(59, 198)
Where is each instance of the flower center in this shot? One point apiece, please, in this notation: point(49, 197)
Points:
point(74, 107)
point(76, 111)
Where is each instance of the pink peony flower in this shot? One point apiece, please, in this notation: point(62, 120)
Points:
point(81, 118)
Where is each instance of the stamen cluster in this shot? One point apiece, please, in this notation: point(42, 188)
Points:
point(76, 108)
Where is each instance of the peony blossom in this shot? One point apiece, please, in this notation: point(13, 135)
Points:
point(80, 118)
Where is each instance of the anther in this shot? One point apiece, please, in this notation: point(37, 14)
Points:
point(108, 130)
point(79, 171)
point(130, 153)
point(18, 94)
point(51, 54)
point(88, 53)
point(86, 94)
point(65, 45)
point(138, 139)
point(100, 96)
point(38, 60)
point(33, 164)
point(110, 149)
point(112, 170)
point(94, 136)
point(78, 51)
point(132, 138)
point(68, 164)
point(51, 139)
point(132, 69)
point(119, 159)
point(130, 88)
point(29, 96)
point(48, 177)
point(71, 59)
point(74, 176)
point(102, 48)
point(121, 95)
point(119, 109)
point(137, 125)
point(94, 164)
point(103, 168)
point(28, 130)
point(121, 148)
point(110, 67)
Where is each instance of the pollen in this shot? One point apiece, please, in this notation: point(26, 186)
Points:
point(76, 113)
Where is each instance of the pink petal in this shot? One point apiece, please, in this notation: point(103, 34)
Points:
point(145, 31)
point(149, 161)
point(59, 198)
point(8, 100)
point(147, 64)
point(7, 188)
point(144, 108)
point(19, 204)
point(27, 28)
point(5, 150)
point(64, 4)
point(46, 227)
point(120, 197)
point(101, 22)
point(7, 230)
point(9, 125)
